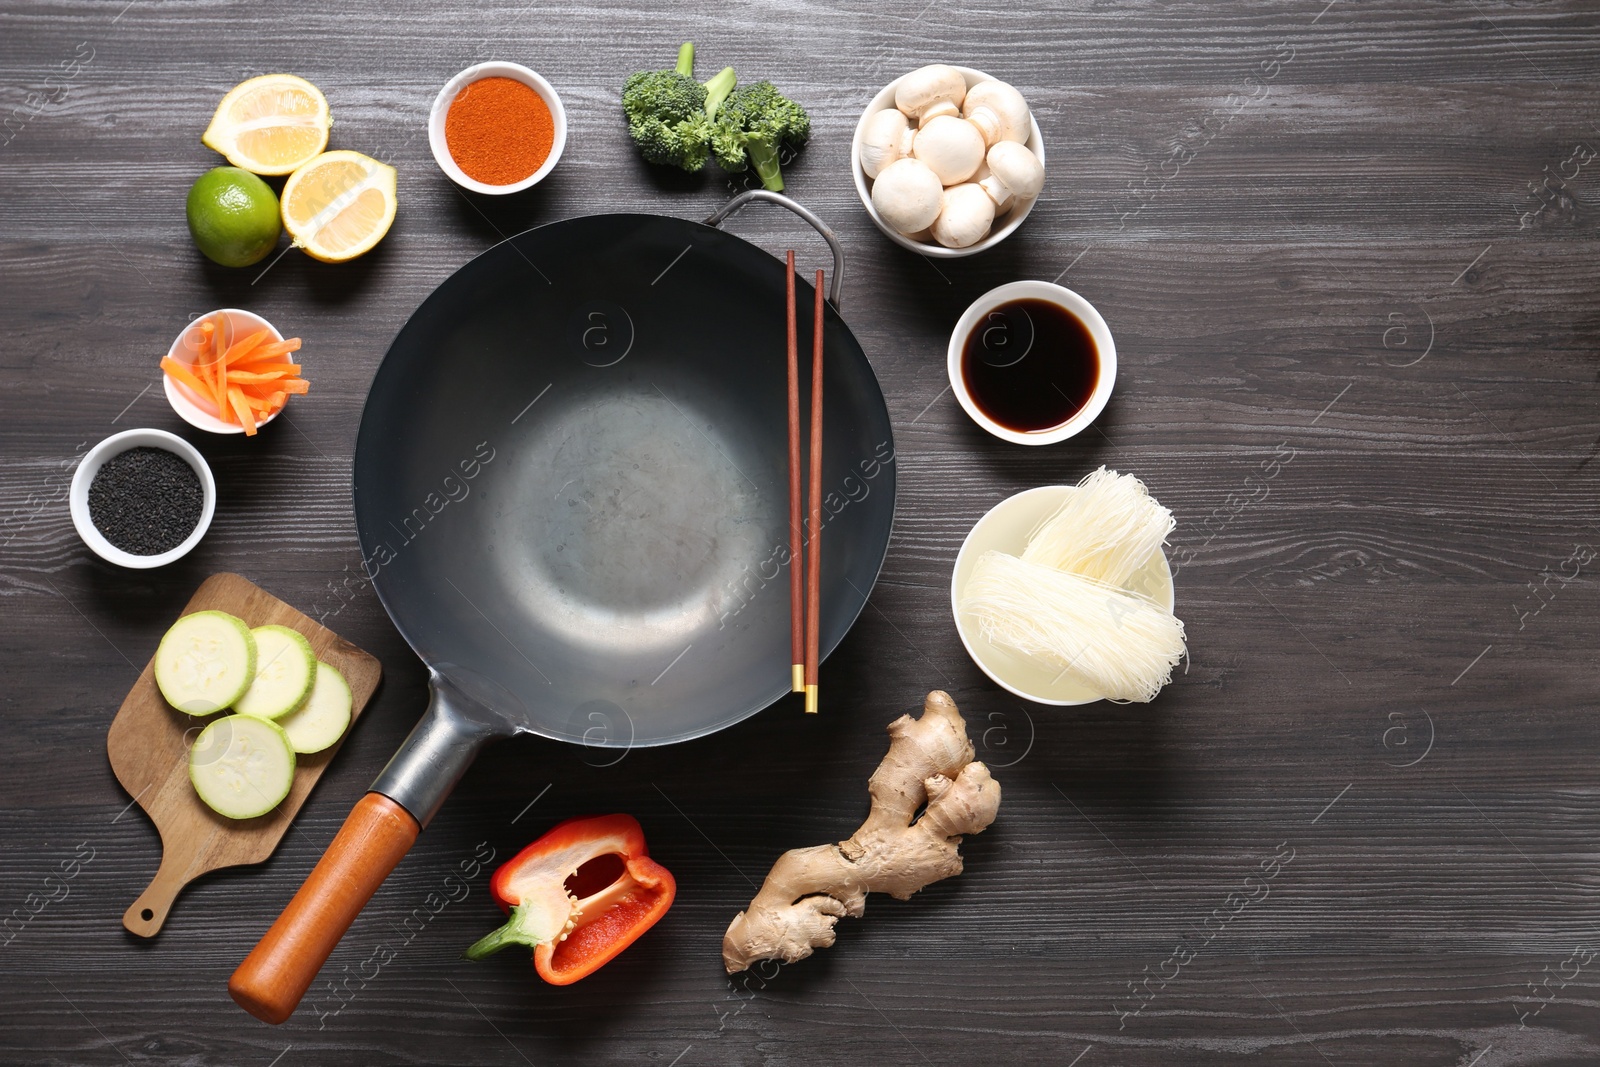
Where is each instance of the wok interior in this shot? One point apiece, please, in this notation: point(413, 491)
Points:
point(571, 478)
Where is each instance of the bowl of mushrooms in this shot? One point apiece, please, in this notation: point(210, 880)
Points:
point(948, 160)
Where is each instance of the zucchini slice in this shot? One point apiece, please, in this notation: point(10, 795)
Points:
point(205, 662)
point(285, 669)
point(242, 766)
point(325, 715)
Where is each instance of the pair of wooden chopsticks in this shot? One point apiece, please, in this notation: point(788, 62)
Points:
point(805, 589)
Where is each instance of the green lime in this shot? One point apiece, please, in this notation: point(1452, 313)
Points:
point(233, 216)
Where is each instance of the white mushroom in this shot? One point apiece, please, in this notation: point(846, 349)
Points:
point(982, 175)
point(1014, 173)
point(907, 195)
point(965, 216)
point(887, 137)
point(952, 147)
point(931, 91)
point(998, 111)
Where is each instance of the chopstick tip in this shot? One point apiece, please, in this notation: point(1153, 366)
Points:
point(811, 700)
point(799, 680)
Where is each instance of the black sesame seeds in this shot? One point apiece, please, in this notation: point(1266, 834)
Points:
point(145, 501)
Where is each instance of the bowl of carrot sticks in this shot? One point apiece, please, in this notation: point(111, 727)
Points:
point(231, 371)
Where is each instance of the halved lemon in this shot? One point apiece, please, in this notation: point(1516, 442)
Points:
point(339, 205)
point(270, 125)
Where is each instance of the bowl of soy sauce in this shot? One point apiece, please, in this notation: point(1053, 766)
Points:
point(1032, 362)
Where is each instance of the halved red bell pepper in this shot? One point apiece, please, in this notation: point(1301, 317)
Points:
point(576, 925)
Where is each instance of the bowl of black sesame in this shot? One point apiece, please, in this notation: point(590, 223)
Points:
point(142, 498)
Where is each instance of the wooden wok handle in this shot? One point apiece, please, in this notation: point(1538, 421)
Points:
point(279, 970)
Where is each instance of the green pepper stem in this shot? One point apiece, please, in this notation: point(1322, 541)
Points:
point(509, 934)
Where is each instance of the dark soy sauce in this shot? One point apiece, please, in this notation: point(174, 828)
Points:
point(1030, 365)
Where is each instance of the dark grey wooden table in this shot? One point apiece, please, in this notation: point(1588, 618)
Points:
point(1351, 255)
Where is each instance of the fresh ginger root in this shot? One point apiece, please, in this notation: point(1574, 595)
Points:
point(929, 762)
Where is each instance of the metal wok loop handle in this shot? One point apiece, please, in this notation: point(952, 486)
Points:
point(722, 213)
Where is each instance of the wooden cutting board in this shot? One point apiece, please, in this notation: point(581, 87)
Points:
point(149, 749)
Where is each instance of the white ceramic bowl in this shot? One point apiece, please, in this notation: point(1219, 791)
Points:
point(1004, 225)
point(1063, 297)
point(183, 399)
point(78, 495)
point(1006, 528)
point(447, 96)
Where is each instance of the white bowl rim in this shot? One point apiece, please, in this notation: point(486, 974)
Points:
point(1170, 600)
point(495, 68)
point(883, 100)
point(1065, 298)
point(178, 395)
point(117, 443)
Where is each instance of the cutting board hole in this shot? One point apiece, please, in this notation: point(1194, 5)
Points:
point(147, 915)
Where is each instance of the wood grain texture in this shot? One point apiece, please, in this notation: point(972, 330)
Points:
point(148, 745)
point(1380, 266)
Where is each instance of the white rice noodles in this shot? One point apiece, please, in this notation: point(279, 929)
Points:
point(1108, 528)
point(1120, 644)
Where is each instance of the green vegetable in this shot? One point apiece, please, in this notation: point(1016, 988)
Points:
point(717, 90)
point(670, 114)
point(241, 766)
point(285, 670)
point(325, 715)
point(205, 662)
point(753, 124)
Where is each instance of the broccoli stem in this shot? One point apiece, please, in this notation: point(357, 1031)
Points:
point(717, 90)
point(686, 59)
point(764, 156)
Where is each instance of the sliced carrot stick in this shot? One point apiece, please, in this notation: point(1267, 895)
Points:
point(202, 350)
point(246, 417)
point(250, 377)
point(260, 389)
point(239, 350)
point(263, 393)
point(268, 368)
point(179, 373)
point(295, 386)
point(211, 346)
point(209, 363)
point(274, 348)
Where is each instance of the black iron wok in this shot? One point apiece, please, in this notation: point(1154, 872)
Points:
point(571, 497)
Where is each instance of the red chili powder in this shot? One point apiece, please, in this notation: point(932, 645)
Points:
point(499, 130)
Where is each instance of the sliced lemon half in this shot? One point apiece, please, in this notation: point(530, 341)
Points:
point(339, 205)
point(270, 125)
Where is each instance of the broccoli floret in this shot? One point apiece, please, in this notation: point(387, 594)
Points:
point(753, 123)
point(717, 90)
point(666, 112)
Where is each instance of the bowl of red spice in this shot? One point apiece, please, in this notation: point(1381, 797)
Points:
point(497, 128)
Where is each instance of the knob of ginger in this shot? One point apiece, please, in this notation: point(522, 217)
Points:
point(808, 890)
